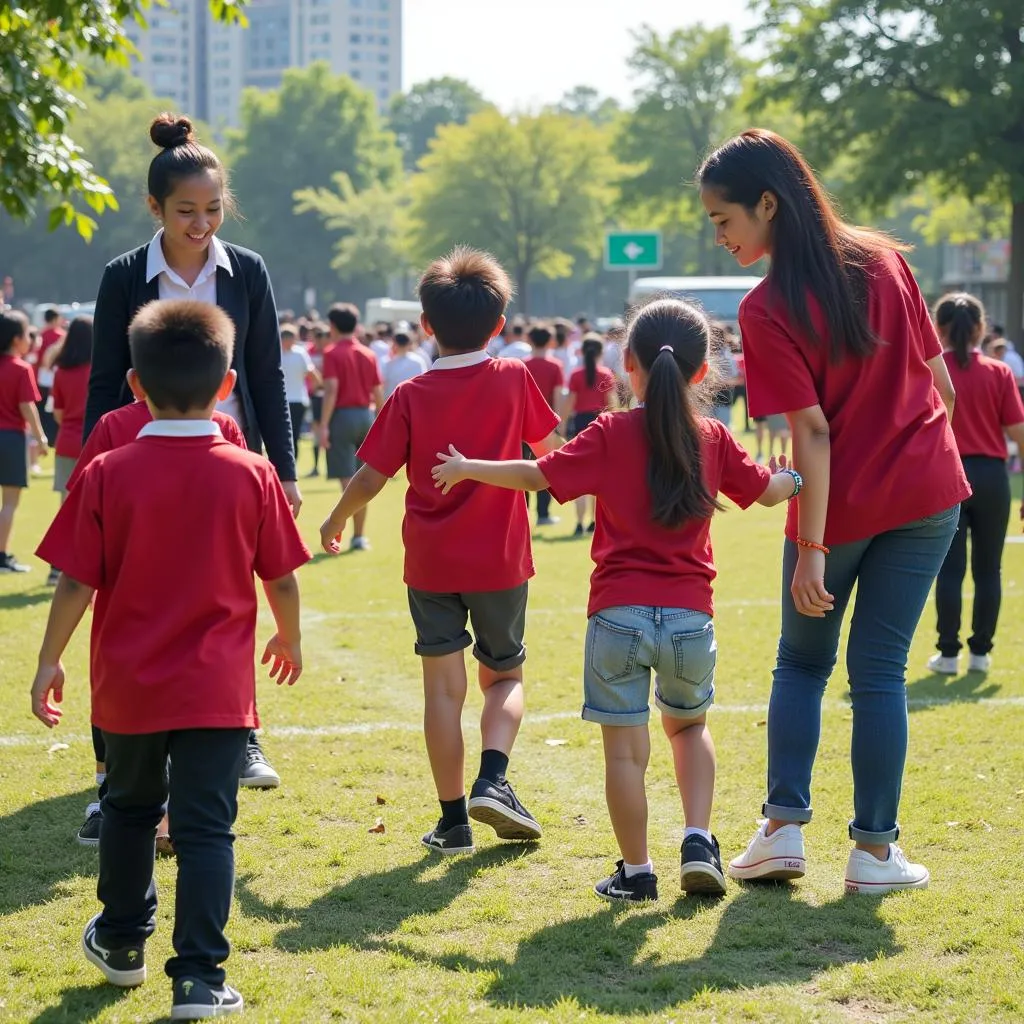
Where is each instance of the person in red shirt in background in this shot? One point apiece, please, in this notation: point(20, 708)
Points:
point(19, 399)
point(549, 376)
point(656, 471)
point(591, 391)
point(172, 678)
point(50, 336)
point(467, 557)
point(320, 335)
point(838, 338)
point(353, 389)
point(987, 404)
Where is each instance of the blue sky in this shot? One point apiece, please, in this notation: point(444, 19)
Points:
point(522, 54)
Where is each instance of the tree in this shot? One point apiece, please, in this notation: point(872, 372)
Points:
point(298, 137)
point(914, 89)
point(417, 114)
point(530, 189)
point(585, 101)
point(40, 74)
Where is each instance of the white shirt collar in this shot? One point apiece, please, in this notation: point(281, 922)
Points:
point(156, 262)
point(461, 360)
point(180, 428)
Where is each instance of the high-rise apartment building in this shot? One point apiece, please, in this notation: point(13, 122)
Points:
point(204, 66)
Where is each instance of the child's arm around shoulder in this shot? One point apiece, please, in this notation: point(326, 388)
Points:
point(513, 474)
point(785, 483)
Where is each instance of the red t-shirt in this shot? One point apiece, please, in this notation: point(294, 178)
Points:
point(70, 390)
point(987, 400)
point(894, 457)
point(118, 427)
point(549, 375)
point(17, 385)
point(47, 339)
point(475, 537)
point(591, 399)
point(637, 561)
point(169, 531)
point(356, 370)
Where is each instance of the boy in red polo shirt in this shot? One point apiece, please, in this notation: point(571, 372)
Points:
point(352, 384)
point(547, 372)
point(172, 678)
point(467, 557)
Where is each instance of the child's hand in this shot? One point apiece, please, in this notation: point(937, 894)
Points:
point(330, 537)
point(449, 471)
point(49, 682)
point(779, 464)
point(287, 665)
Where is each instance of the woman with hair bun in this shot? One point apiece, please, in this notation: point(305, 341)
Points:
point(987, 404)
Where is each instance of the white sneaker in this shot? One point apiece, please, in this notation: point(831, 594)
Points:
point(944, 666)
point(359, 544)
point(780, 855)
point(979, 663)
point(867, 875)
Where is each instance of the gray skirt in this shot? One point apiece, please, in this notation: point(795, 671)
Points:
point(13, 458)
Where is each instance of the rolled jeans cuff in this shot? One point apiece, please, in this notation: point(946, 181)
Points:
point(777, 812)
point(858, 835)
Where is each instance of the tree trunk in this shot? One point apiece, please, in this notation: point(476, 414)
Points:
point(523, 289)
point(1015, 284)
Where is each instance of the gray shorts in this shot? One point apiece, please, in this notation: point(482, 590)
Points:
point(624, 644)
point(498, 618)
point(63, 467)
point(349, 427)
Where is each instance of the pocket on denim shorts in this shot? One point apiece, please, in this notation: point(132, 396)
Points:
point(696, 652)
point(613, 650)
point(940, 517)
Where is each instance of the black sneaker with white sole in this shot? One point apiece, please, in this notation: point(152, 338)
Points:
point(257, 771)
point(89, 833)
point(449, 842)
point(8, 563)
point(495, 804)
point(701, 866)
point(195, 1000)
point(618, 888)
point(125, 967)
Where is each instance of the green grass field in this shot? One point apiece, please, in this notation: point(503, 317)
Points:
point(332, 922)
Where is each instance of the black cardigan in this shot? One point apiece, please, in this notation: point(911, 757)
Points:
point(247, 297)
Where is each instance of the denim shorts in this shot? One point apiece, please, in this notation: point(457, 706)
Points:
point(624, 644)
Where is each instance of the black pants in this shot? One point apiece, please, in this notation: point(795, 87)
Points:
point(985, 514)
point(202, 783)
point(543, 497)
point(297, 411)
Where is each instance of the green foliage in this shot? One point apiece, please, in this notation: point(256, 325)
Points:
point(585, 101)
point(416, 115)
point(529, 189)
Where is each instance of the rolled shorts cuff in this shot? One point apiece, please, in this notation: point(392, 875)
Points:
point(778, 813)
point(460, 643)
point(684, 713)
point(858, 835)
point(616, 717)
point(499, 664)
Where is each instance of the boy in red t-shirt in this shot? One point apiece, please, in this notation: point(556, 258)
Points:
point(172, 678)
point(547, 372)
point(467, 557)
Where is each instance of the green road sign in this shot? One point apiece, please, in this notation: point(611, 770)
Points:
point(632, 250)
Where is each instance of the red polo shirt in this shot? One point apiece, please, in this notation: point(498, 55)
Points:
point(70, 389)
point(356, 370)
point(592, 399)
point(17, 385)
point(547, 372)
point(987, 400)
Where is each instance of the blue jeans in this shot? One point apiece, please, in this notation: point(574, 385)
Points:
point(893, 572)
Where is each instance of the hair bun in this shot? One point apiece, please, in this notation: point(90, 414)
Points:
point(168, 131)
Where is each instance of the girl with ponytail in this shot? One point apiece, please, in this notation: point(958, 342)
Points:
point(987, 404)
point(657, 471)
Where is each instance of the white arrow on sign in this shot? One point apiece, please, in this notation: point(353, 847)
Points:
point(633, 251)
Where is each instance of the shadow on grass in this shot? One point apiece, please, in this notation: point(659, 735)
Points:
point(364, 911)
point(26, 598)
point(84, 1002)
point(767, 936)
point(934, 689)
point(38, 850)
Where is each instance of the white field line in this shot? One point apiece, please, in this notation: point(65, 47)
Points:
point(370, 728)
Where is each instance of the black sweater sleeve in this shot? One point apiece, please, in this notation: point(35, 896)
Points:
point(265, 377)
point(111, 357)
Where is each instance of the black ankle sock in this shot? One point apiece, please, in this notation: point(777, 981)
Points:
point(453, 812)
point(493, 765)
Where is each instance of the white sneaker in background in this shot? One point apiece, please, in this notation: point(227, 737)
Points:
point(778, 856)
point(869, 876)
point(979, 663)
point(944, 666)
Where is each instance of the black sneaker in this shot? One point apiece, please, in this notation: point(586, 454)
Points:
point(195, 1000)
point(449, 842)
point(89, 833)
point(592, 527)
point(629, 890)
point(496, 805)
point(53, 578)
point(548, 520)
point(10, 564)
point(578, 532)
point(701, 870)
point(257, 771)
point(125, 967)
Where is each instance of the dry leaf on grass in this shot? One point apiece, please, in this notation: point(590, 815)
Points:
point(381, 801)
point(580, 820)
point(378, 828)
point(761, 722)
point(56, 747)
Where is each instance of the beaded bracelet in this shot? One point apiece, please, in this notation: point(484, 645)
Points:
point(798, 481)
point(812, 545)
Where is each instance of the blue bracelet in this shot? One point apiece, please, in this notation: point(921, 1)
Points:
point(798, 481)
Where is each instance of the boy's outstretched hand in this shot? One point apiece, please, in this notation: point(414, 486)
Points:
point(449, 471)
point(287, 660)
point(48, 684)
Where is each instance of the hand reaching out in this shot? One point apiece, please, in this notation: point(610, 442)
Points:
point(450, 470)
point(287, 660)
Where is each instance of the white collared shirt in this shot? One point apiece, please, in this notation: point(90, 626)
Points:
point(170, 285)
point(458, 361)
point(179, 428)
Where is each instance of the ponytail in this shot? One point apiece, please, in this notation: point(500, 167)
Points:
point(592, 349)
point(960, 320)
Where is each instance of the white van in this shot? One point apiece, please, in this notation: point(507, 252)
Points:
point(719, 297)
point(391, 311)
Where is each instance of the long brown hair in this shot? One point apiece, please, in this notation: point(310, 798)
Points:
point(812, 249)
